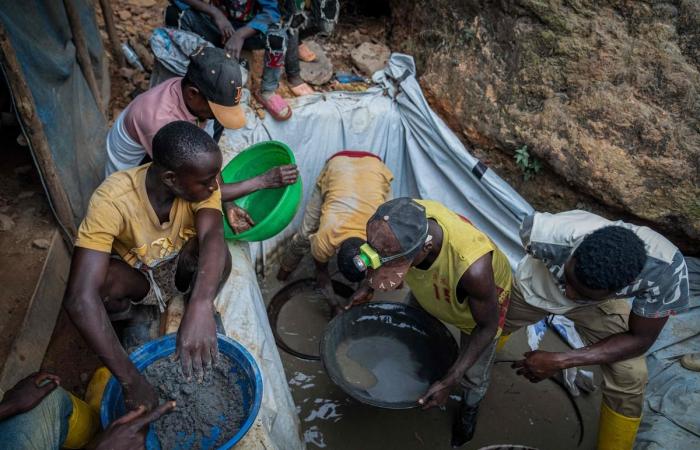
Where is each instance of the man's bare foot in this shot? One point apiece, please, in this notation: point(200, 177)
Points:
point(282, 274)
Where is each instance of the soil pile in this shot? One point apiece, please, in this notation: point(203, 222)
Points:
point(216, 401)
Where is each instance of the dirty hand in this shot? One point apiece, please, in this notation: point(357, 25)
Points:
point(279, 176)
point(438, 393)
point(139, 393)
point(538, 365)
point(234, 44)
point(196, 338)
point(224, 26)
point(129, 431)
point(360, 296)
point(29, 392)
point(238, 218)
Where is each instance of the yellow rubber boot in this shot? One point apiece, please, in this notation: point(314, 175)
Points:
point(502, 341)
point(615, 431)
point(82, 424)
point(96, 387)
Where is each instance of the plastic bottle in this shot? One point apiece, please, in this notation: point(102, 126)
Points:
point(132, 57)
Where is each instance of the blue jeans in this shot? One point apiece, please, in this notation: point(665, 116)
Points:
point(274, 42)
point(44, 427)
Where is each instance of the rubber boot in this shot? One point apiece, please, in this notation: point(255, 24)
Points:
point(464, 425)
point(691, 361)
point(615, 431)
point(82, 424)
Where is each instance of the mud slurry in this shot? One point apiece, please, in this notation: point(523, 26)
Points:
point(208, 413)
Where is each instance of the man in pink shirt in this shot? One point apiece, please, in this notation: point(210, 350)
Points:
point(210, 89)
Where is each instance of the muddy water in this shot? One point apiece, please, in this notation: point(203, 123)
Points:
point(383, 367)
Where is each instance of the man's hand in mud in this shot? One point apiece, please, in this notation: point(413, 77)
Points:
point(139, 392)
point(224, 26)
point(279, 176)
point(197, 347)
point(437, 393)
point(129, 431)
point(29, 392)
point(238, 218)
point(363, 295)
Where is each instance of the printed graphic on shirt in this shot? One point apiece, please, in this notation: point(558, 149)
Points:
point(660, 290)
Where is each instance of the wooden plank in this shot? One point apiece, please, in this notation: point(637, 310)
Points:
point(30, 345)
point(83, 56)
point(108, 14)
point(35, 134)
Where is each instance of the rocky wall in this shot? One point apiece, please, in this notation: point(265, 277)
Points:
point(605, 93)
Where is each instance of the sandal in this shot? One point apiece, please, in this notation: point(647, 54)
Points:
point(301, 90)
point(275, 104)
point(306, 54)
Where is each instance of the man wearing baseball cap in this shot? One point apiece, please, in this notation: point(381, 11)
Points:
point(457, 274)
point(211, 89)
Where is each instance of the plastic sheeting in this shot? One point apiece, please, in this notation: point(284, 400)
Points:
point(74, 126)
point(395, 121)
point(672, 402)
point(243, 315)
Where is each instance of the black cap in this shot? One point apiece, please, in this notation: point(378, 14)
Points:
point(399, 227)
point(217, 75)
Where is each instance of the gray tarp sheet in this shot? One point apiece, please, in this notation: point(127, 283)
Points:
point(73, 124)
point(395, 121)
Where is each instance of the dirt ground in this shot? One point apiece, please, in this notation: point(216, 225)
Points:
point(514, 411)
point(23, 202)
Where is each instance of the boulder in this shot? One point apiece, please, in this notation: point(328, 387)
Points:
point(319, 71)
point(605, 93)
point(369, 57)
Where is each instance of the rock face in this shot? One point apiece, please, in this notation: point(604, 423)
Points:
point(606, 93)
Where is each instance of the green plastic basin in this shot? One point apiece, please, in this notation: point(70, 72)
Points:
point(271, 209)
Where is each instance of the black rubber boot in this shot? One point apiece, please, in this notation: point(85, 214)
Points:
point(464, 425)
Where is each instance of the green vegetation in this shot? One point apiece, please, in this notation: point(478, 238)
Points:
point(530, 165)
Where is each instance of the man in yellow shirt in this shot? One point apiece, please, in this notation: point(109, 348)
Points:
point(150, 231)
point(457, 274)
point(349, 189)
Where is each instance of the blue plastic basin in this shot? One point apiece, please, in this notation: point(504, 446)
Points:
point(243, 366)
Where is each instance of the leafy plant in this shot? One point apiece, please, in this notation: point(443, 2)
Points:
point(530, 165)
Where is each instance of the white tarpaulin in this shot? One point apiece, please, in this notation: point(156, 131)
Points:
point(394, 121)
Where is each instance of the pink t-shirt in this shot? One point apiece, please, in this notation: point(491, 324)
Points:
point(157, 107)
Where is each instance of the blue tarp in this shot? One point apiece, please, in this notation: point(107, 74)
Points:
point(672, 403)
point(41, 37)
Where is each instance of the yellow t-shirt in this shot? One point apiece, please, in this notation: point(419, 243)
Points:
point(462, 244)
point(120, 219)
point(352, 188)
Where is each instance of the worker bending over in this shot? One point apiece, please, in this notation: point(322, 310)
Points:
point(456, 274)
point(588, 268)
point(210, 89)
point(150, 232)
point(349, 189)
